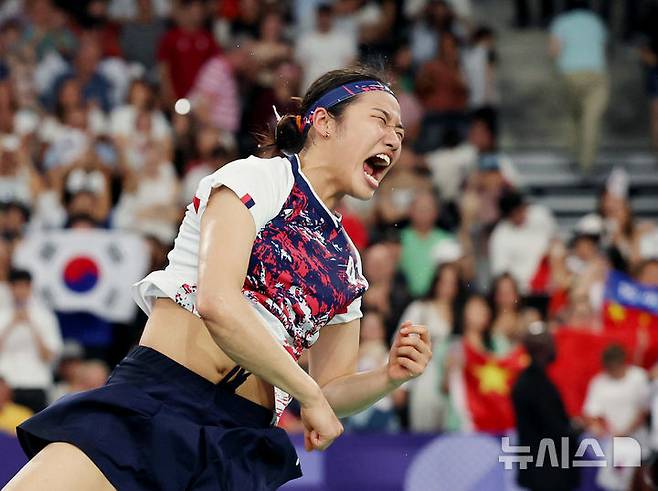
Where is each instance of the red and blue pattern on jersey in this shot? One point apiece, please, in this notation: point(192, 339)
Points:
point(303, 267)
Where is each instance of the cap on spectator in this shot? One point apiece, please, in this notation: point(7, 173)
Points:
point(591, 225)
point(509, 201)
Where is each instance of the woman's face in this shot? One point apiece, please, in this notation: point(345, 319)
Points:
point(140, 94)
point(506, 296)
point(70, 93)
point(271, 28)
point(477, 315)
point(447, 283)
point(367, 143)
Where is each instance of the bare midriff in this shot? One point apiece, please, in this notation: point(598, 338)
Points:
point(183, 337)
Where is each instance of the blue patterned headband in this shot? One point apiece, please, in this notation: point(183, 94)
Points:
point(338, 95)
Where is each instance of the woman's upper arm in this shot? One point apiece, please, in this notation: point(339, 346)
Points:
point(226, 239)
point(335, 353)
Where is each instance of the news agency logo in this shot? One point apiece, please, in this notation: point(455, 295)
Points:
point(626, 452)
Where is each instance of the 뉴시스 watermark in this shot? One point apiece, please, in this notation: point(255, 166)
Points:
point(626, 452)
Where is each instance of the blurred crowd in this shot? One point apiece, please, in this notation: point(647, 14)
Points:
point(111, 111)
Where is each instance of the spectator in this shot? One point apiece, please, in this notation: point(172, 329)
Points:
point(15, 219)
point(215, 95)
point(392, 204)
point(85, 69)
point(577, 42)
point(139, 38)
point(70, 361)
point(477, 336)
point(451, 164)
point(480, 72)
point(139, 122)
point(506, 325)
point(373, 351)
point(387, 292)
point(183, 51)
point(149, 203)
point(441, 87)
point(19, 180)
point(83, 187)
point(46, 31)
point(11, 414)
point(540, 414)
point(617, 404)
point(325, 48)
point(270, 48)
point(581, 269)
point(280, 93)
point(211, 154)
point(440, 311)
point(29, 342)
point(520, 242)
point(434, 19)
point(419, 241)
point(623, 232)
point(71, 126)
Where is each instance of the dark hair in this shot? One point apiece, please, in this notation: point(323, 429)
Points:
point(487, 337)
point(16, 275)
point(509, 201)
point(614, 354)
point(495, 284)
point(458, 302)
point(482, 32)
point(287, 137)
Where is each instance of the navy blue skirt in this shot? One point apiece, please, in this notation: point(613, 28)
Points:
point(156, 425)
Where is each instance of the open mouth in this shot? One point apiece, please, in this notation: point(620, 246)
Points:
point(375, 167)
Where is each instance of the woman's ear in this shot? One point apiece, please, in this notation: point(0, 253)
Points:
point(323, 122)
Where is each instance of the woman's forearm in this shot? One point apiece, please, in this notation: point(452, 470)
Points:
point(241, 333)
point(353, 393)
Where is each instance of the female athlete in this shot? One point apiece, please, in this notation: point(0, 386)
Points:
point(261, 270)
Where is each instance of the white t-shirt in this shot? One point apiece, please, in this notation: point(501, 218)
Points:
point(449, 167)
point(318, 53)
point(20, 363)
point(519, 250)
point(618, 401)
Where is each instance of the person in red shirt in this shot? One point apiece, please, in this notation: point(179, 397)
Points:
point(183, 50)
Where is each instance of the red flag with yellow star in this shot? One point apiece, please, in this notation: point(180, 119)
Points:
point(629, 306)
point(578, 360)
point(488, 382)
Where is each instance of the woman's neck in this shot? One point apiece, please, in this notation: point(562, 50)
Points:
point(318, 171)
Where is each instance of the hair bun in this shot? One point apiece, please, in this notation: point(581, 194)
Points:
point(287, 136)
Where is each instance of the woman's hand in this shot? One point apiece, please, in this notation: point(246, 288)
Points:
point(321, 426)
point(410, 353)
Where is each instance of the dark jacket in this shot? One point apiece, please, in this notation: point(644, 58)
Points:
point(540, 414)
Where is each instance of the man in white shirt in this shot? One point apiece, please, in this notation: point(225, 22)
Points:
point(324, 48)
point(617, 404)
point(520, 241)
point(30, 341)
